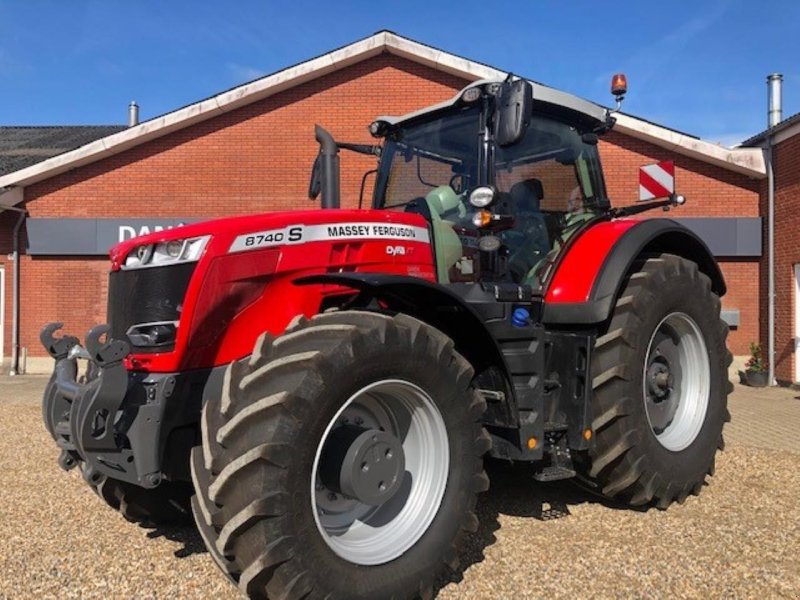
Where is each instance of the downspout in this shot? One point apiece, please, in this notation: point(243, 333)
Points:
point(774, 116)
point(770, 266)
point(15, 309)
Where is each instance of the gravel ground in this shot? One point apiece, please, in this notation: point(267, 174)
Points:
point(740, 538)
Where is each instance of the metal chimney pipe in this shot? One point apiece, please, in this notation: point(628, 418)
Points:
point(775, 99)
point(133, 114)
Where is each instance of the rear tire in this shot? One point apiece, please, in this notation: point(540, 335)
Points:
point(660, 380)
point(255, 475)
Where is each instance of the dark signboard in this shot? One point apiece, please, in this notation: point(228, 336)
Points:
point(90, 236)
point(729, 237)
point(726, 236)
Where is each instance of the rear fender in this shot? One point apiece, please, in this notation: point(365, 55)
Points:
point(590, 277)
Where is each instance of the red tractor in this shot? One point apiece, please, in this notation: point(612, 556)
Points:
point(319, 388)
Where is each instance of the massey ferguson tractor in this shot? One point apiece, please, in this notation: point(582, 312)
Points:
point(319, 388)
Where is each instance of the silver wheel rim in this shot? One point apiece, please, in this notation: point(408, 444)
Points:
point(676, 382)
point(373, 535)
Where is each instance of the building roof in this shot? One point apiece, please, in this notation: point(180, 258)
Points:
point(786, 128)
point(21, 147)
point(749, 161)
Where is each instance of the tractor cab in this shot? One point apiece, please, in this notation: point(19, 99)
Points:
point(504, 173)
point(501, 205)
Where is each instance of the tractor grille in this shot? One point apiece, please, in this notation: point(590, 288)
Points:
point(146, 295)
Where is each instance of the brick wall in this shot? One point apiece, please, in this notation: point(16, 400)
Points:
point(257, 158)
point(710, 192)
point(786, 164)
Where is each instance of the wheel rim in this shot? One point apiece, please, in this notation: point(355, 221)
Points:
point(676, 381)
point(382, 530)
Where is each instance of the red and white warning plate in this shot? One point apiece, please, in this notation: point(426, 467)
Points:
point(657, 181)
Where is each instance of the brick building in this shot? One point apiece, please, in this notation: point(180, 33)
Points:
point(250, 149)
point(786, 168)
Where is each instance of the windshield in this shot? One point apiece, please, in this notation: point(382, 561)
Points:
point(549, 182)
point(440, 152)
point(553, 161)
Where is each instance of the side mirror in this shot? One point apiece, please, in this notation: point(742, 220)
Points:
point(514, 110)
point(315, 184)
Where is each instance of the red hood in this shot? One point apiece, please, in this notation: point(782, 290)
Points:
point(224, 231)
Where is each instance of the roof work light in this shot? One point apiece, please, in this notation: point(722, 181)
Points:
point(619, 84)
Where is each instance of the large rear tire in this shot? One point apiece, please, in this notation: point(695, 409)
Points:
point(287, 501)
point(660, 380)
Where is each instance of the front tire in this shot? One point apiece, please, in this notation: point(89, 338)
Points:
point(660, 387)
point(283, 500)
point(167, 504)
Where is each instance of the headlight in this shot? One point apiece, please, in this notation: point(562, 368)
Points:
point(471, 95)
point(378, 128)
point(143, 254)
point(166, 253)
point(481, 197)
point(153, 335)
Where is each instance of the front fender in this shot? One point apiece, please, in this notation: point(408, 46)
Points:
point(429, 302)
point(589, 278)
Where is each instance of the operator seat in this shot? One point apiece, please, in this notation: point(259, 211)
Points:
point(529, 242)
point(446, 209)
point(444, 202)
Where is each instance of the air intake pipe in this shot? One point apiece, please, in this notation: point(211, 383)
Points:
point(328, 167)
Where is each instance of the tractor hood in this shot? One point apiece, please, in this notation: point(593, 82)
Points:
point(255, 232)
point(215, 286)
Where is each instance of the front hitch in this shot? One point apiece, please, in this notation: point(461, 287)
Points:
point(58, 348)
point(81, 414)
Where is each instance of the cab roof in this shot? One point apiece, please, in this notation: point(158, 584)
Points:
point(545, 99)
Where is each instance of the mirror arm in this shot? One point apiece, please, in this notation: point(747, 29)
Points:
point(626, 211)
point(368, 149)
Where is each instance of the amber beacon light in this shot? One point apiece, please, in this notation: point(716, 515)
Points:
point(619, 84)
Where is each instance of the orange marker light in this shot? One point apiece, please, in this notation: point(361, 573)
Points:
point(482, 218)
point(587, 434)
point(532, 443)
point(619, 84)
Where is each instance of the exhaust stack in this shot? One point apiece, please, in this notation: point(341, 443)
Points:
point(775, 99)
point(329, 167)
